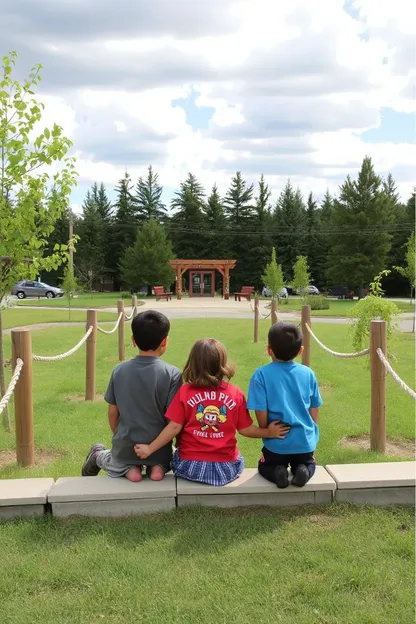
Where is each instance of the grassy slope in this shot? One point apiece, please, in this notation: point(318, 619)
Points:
point(70, 427)
point(336, 565)
point(15, 317)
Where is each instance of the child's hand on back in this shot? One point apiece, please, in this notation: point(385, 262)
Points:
point(278, 430)
point(142, 450)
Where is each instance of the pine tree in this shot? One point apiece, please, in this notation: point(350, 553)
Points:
point(290, 226)
point(403, 224)
point(103, 203)
point(360, 239)
point(238, 201)
point(149, 198)
point(215, 226)
point(124, 225)
point(186, 225)
point(314, 243)
point(147, 261)
point(90, 249)
point(260, 242)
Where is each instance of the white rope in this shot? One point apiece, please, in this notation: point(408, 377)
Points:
point(62, 356)
point(12, 384)
point(395, 376)
point(130, 316)
point(336, 353)
point(263, 317)
point(111, 331)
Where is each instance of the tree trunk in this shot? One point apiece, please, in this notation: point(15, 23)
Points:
point(149, 291)
point(6, 418)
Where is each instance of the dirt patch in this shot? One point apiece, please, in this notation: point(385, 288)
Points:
point(77, 398)
point(395, 447)
point(42, 457)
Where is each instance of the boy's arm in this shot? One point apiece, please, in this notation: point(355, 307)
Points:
point(169, 432)
point(113, 416)
point(314, 412)
point(261, 417)
point(275, 430)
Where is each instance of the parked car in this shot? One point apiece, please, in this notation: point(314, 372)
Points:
point(25, 289)
point(309, 290)
point(268, 293)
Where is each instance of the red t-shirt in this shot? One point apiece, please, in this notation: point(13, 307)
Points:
point(210, 418)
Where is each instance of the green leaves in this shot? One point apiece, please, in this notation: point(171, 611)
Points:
point(273, 276)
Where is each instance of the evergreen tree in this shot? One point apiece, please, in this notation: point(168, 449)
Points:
point(149, 197)
point(124, 226)
point(215, 226)
point(238, 201)
point(290, 226)
point(102, 202)
point(314, 243)
point(403, 224)
point(260, 242)
point(147, 261)
point(90, 249)
point(360, 239)
point(186, 225)
point(59, 236)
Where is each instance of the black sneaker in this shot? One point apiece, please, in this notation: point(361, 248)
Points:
point(90, 468)
point(302, 476)
point(281, 477)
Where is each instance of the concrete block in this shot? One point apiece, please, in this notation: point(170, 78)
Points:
point(250, 482)
point(276, 499)
point(377, 496)
point(88, 489)
point(113, 508)
point(21, 511)
point(324, 498)
point(24, 492)
point(380, 475)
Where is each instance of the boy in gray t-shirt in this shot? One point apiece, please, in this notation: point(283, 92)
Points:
point(138, 395)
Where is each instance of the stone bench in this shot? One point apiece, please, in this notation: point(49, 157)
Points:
point(107, 497)
point(21, 498)
point(388, 483)
point(251, 489)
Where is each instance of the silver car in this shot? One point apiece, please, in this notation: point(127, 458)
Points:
point(26, 288)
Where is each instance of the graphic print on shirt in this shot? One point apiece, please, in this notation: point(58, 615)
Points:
point(211, 417)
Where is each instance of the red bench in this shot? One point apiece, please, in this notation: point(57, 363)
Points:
point(161, 294)
point(246, 292)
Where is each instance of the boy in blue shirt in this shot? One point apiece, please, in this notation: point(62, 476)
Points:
point(286, 391)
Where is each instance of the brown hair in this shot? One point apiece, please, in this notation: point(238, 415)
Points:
point(207, 364)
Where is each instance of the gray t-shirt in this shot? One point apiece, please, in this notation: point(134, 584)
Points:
point(142, 389)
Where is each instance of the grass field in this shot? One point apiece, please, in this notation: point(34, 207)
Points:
point(336, 565)
point(84, 300)
point(337, 307)
point(66, 425)
point(18, 317)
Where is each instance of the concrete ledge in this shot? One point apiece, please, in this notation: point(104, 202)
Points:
point(377, 496)
point(381, 475)
point(252, 490)
point(107, 497)
point(23, 497)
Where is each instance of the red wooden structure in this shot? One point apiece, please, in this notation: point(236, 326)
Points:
point(161, 293)
point(202, 276)
point(246, 292)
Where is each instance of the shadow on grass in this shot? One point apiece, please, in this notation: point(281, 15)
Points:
point(197, 529)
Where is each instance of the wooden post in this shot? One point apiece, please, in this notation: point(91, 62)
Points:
point(306, 320)
point(378, 340)
point(23, 398)
point(226, 288)
point(121, 328)
point(134, 305)
point(91, 356)
point(274, 312)
point(256, 318)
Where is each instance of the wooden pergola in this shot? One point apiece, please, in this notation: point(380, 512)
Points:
point(223, 266)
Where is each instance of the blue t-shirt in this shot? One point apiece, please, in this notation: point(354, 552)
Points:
point(286, 390)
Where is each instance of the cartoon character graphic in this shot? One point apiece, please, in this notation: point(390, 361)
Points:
point(211, 417)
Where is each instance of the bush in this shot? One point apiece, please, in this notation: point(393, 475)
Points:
point(317, 302)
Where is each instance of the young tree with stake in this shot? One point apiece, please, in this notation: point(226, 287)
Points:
point(31, 198)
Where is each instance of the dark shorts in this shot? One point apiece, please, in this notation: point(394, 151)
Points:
point(269, 461)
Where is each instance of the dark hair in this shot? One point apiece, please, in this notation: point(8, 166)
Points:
point(149, 329)
point(207, 364)
point(285, 340)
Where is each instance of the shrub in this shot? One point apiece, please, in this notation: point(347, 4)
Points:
point(317, 302)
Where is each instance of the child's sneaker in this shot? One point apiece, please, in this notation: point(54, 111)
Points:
point(302, 476)
point(90, 468)
point(281, 477)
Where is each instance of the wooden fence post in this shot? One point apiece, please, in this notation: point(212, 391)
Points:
point(121, 328)
point(256, 318)
point(378, 340)
point(274, 312)
point(91, 356)
point(306, 320)
point(23, 398)
point(134, 305)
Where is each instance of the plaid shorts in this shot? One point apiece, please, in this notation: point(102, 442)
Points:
point(212, 473)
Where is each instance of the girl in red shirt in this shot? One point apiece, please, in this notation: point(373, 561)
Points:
point(205, 416)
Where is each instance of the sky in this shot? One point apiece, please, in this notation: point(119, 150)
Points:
point(295, 89)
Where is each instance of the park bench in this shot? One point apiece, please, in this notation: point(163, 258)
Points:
point(161, 294)
point(246, 292)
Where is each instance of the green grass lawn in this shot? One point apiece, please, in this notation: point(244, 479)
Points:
point(67, 425)
point(335, 565)
point(18, 317)
point(84, 300)
point(337, 307)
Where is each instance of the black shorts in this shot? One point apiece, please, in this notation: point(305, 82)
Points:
point(270, 460)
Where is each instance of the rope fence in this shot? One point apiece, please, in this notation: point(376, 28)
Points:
point(395, 376)
point(62, 356)
point(336, 353)
point(12, 384)
point(115, 328)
